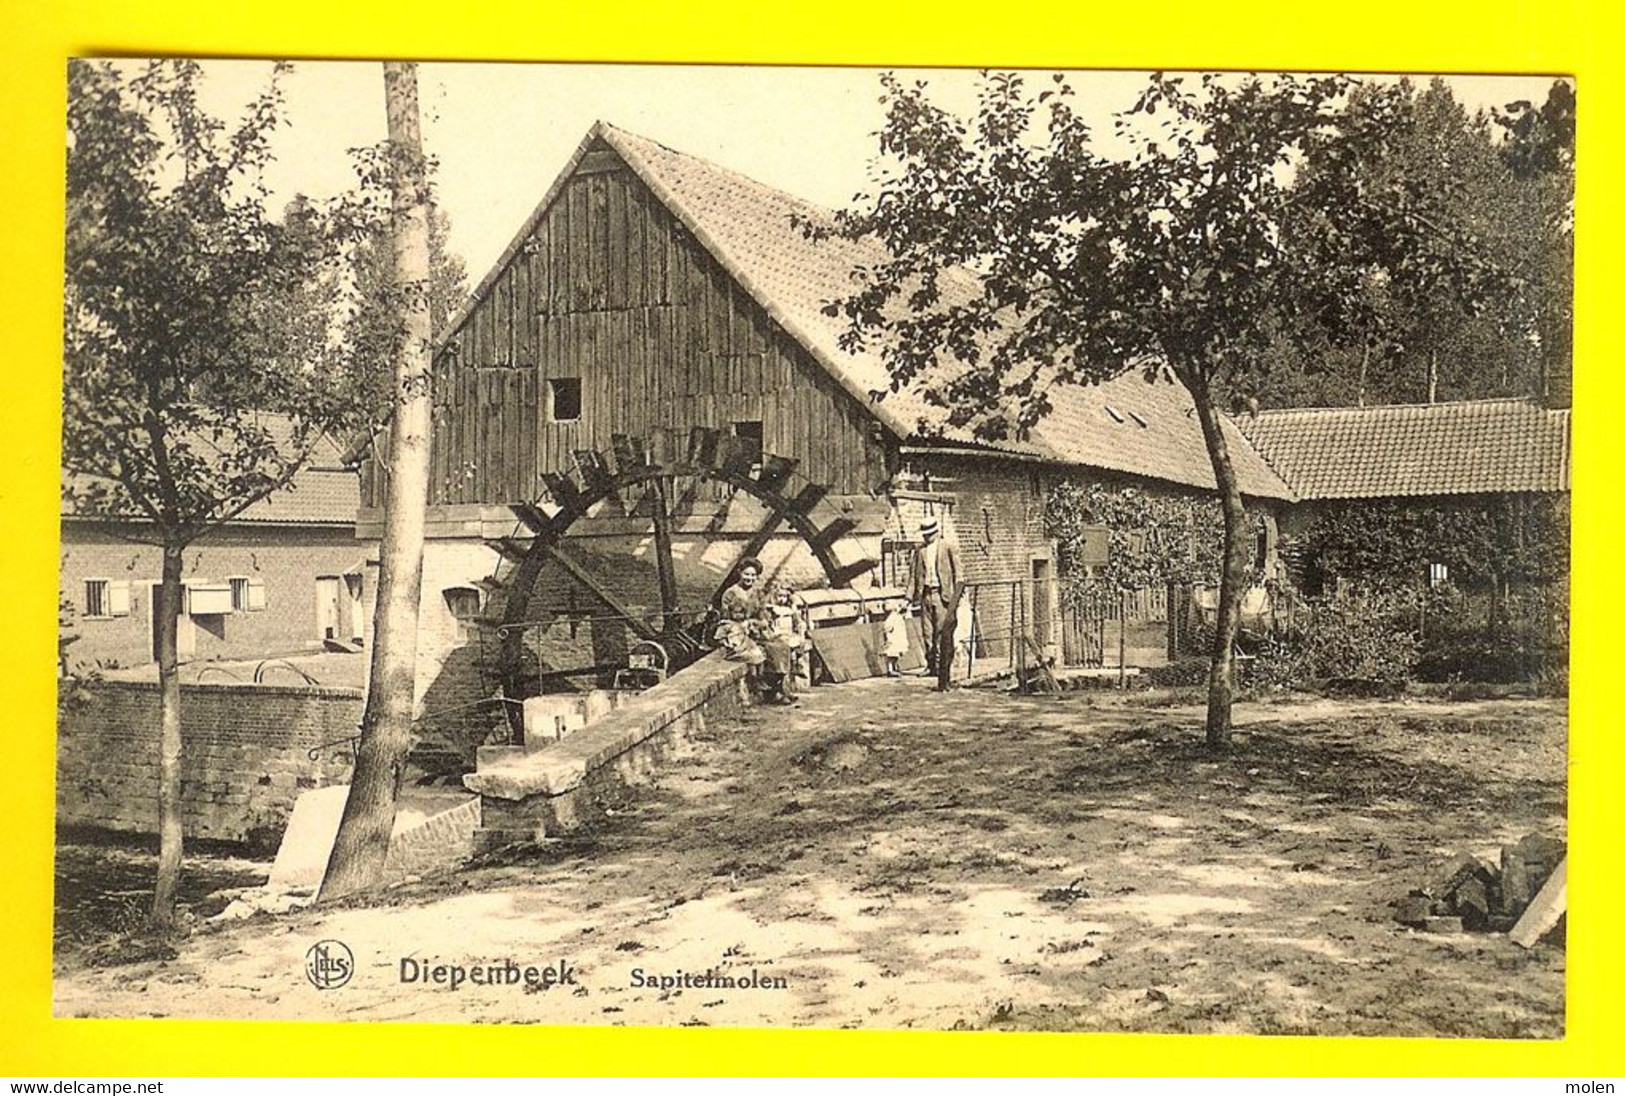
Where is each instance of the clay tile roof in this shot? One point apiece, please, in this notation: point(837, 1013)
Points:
point(749, 228)
point(323, 492)
point(1472, 447)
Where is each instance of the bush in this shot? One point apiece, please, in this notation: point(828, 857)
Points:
point(1509, 659)
point(1522, 638)
point(1366, 640)
point(1187, 671)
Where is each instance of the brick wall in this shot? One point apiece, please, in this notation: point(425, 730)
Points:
point(287, 560)
point(993, 511)
point(245, 759)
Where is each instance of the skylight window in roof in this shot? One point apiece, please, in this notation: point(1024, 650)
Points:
point(1139, 418)
point(1117, 416)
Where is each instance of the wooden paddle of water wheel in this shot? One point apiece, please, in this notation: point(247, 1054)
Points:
point(645, 477)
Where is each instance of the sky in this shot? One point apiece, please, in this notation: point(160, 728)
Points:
point(502, 132)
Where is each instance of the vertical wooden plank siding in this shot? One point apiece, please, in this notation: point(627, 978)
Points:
point(612, 291)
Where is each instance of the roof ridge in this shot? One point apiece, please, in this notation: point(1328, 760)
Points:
point(726, 212)
point(1529, 401)
point(601, 126)
point(724, 256)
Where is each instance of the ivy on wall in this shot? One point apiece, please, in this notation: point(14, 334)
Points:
point(1153, 537)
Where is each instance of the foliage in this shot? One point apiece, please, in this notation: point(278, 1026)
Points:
point(1166, 261)
point(372, 330)
point(1519, 636)
point(190, 312)
point(1021, 257)
point(1416, 323)
point(1154, 537)
point(1384, 635)
point(1387, 543)
point(1540, 141)
point(189, 308)
point(1369, 638)
point(73, 682)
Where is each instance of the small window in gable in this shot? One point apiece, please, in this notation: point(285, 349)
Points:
point(564, 399)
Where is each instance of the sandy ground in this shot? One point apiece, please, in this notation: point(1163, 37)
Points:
point(900, 858)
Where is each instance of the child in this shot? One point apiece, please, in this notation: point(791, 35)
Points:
point(894, 637)
point(787, 626)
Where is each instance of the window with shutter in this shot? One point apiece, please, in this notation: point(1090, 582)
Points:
point(256, 595)
point(118, 599)
point(96, 597)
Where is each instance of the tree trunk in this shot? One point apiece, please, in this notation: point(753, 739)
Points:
point(1221, 687)
point(166, 612)
point(1365, 364)
point(362, 844)
point(1433, 376)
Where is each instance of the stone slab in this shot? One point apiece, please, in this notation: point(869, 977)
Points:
point(301, 859)
point(564, 765)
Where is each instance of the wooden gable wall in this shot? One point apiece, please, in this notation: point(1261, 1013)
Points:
point(611, 288)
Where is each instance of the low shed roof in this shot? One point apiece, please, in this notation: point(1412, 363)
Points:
point(1470, 447)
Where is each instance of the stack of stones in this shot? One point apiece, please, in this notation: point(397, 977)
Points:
point(1471, 894)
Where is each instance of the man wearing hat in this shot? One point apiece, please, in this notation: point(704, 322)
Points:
point(935, 585)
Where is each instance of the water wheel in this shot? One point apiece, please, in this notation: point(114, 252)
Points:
point(644, 478)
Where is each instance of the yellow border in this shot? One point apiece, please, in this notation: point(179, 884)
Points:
point(1379, 35)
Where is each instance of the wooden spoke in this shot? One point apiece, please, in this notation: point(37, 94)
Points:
point(564, 492)
point(649, 468)
point(595, 586)
point(775, 473)
point(753, 547)
point(659, 501)
point(834, 531)
point(531, 515)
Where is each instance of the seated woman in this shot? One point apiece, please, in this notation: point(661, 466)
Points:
point(747, 636)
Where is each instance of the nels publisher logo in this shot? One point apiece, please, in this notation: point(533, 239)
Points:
point(329, 964)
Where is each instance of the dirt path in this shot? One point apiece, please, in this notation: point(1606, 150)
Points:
point(900, 858)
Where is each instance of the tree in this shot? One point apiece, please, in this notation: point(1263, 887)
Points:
point(1539, 150)
point(371, 334)
point(1424, 332)
point(187, 318)
point(1417, 184)
point(1021, 257)
point(362, 844)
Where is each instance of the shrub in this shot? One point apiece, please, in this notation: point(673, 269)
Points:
point(1369, 639)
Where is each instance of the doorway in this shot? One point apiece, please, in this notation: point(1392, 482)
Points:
point(1043, 595)
point(357, 608)
point(327, 607)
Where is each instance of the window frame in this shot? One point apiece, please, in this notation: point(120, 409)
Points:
point(753, 431)
point(553, 384)
point(106, 598)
